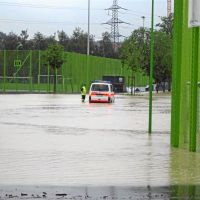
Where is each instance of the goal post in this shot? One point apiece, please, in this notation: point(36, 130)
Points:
point(45, 81)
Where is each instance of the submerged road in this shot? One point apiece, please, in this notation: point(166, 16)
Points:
point(57, 140)
point(55, 147)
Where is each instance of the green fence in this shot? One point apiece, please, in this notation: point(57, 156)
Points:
point(26, 71)
point(185, 128)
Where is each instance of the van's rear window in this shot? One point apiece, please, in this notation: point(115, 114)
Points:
point(98, 87)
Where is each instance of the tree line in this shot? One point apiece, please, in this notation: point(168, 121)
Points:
point(135, 51)
point(77, 42)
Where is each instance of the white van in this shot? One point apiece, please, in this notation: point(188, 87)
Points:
point(101, 92)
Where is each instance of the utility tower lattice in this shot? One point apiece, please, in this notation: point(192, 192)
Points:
point(169, 7)
point(114, 22)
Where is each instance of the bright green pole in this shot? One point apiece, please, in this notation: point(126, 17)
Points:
point(30, 72)
point(48, 82)
point(57, 80)
point(151, 68)
point(4, 71)
point(176, 72)
point(194, 89)
point(63, 74)
point(39, 69)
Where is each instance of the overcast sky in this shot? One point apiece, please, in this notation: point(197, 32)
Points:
point(49, 16)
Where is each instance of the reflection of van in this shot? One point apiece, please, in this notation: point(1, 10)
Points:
point(102, 92)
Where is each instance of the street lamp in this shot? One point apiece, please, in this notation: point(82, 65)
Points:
point(88, 44)
point(88, 39)
point(143, 18)
point(18, 47)
point(151, 68)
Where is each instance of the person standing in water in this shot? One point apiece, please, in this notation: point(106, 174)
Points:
point(83, 92)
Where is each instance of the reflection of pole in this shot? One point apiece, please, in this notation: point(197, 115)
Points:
point(151, 68)
point(88, 39)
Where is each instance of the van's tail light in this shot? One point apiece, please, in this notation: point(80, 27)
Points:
point(93, 93)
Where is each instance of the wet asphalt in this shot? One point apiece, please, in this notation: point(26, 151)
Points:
point(58, 141)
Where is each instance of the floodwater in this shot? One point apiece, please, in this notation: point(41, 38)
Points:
point(57, 140)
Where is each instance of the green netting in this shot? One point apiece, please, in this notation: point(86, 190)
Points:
point(33, 75)
point(181, 105)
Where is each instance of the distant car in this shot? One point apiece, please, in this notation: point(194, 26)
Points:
point(147, 87)
point(101, 92)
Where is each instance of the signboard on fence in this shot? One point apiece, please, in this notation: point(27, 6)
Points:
point(194, 13)
point(17, 63)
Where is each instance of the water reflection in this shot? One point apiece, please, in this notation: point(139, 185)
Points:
point(185, 174)
point(60, 141)
point(187, 192)
point(185, 167)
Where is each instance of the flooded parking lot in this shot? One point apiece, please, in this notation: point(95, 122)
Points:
point(56, 140)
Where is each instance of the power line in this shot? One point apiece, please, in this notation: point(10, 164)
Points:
point(43, 6)
point(45, 22)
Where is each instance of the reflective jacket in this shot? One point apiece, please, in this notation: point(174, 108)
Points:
point(83, 90)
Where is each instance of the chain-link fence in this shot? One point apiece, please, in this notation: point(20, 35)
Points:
point(26, 71)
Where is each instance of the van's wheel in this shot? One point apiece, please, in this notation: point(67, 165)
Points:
point(109, 100)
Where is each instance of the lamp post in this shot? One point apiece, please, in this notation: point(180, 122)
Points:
point(143, 19)
point(17, 48)
point(88, 39)
point(88, 45)
point(151, 68)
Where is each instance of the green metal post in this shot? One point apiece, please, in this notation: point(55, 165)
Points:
point(176, 72)
point(48, 82)
point(30, 72)
point(57, 80)
point(87, 71)
point(63, 84)
point(151, 68)
point(4, 72)
point(39, 68)
point(63, 74)
point(194, 89)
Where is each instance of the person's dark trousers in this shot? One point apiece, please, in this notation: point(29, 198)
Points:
point(83, 98)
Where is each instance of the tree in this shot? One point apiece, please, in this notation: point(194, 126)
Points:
point(131, 54)
point(75, 43)
point(105, 47)
point(11, 41)
point(64, 40)
point(166, 25)
point(79, 41)
point(2, 40)
point(54, 56)
point(23, 38)
point(163, 58)
point(40, 42)
point(135, 53)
